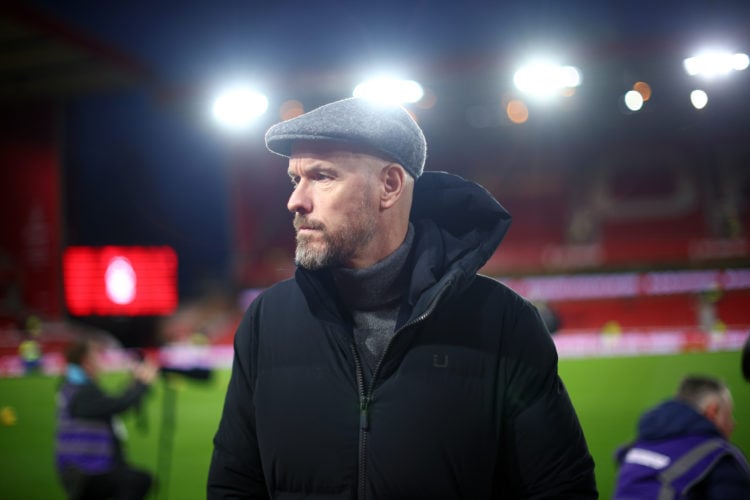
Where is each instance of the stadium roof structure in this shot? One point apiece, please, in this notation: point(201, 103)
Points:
point(43, 57)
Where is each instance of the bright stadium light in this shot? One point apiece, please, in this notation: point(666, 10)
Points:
point(235, 108)
point(390, 90)
point(711, 64)
point(699, 99)
point(544, 80)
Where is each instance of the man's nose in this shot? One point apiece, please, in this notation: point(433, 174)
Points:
point(299, 200)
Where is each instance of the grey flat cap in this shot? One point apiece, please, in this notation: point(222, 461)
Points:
point(387, 128)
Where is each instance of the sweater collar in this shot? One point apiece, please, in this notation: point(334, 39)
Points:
point(379, 285)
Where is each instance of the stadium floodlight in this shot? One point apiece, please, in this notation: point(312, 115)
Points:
point(699, 99)
point(390, 90)
point(236, 107)
point(711, 64)
point(544, 79)
point(633, 100)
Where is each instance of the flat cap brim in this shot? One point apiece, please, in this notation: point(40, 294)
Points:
point(386, 128)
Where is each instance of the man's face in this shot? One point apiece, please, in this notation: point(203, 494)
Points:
point(335, 205)
point(92, 363)
point(724, 418)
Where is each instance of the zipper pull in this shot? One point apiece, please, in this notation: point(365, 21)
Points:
point(364, 422)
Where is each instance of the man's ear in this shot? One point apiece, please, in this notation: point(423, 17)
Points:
point(393, 178)
point(710, 410)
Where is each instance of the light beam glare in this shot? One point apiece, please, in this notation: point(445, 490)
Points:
point(544, 79)
point(237, 107)
point(711, 64)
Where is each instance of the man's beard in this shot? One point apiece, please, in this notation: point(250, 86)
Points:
point(333, 248)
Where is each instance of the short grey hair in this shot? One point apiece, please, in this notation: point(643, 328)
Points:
point(699, 390)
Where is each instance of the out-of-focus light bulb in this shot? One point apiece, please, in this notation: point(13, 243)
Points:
point(740, 61)
point(390, 90)
point(633, 100)
point(291, 109)
point(517, 111)
point(644, 89)
point(699, 99)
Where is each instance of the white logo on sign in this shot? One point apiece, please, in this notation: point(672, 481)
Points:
point(120, 281)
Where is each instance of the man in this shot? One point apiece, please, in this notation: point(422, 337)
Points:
point(387, 368)
point(89, 453)
point(683, 450)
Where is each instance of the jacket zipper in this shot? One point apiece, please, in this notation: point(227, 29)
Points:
point(363, 426)
point(365, 396)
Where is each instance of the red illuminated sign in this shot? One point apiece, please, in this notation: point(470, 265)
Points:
point(120, 281)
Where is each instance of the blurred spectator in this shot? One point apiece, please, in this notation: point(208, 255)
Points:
point(30, 350)
point(683, 450)
point(30, 353)
point(706, 307)
point(89, 451)
point(583, 228)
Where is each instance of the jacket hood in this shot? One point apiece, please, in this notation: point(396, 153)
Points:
point(459, 225)
point(672, 419)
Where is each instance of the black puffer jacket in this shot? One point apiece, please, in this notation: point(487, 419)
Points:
point(466, 402)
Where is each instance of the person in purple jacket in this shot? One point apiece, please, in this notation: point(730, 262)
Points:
point(682, 449)
point(88, 450)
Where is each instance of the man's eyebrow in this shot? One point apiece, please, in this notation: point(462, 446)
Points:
point(311, 168)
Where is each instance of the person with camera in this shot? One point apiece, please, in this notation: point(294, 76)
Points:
point(89, 450)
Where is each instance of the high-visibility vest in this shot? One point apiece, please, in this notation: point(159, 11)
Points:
point(668, 469)
point(85, 444)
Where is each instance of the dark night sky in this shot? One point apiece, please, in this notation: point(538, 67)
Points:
point(143, 171)
point(191, 40)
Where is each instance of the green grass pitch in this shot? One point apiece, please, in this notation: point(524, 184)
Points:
point(609, 395)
